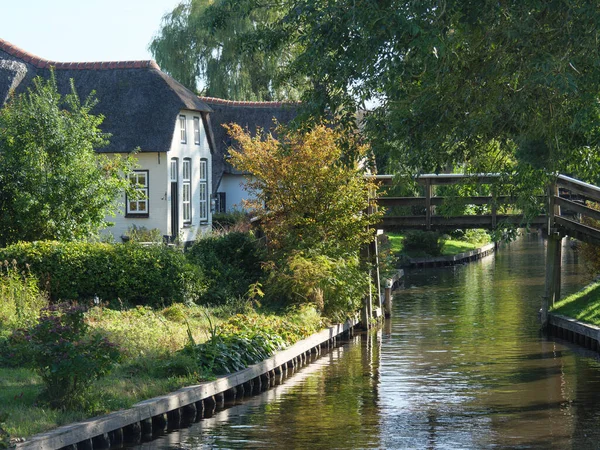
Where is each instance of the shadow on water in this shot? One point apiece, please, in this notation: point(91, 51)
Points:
point(460, 365)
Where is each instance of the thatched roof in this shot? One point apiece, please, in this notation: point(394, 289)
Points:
point(250, 115)
point(140, 103)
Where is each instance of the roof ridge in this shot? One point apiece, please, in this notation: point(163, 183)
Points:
point(42, 63)
point(221, 101)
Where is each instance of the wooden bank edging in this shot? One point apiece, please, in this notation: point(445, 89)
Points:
point(452, 260)
point(87, 430)
point(572, 330)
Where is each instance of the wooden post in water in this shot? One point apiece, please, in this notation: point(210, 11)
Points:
point(388, 299)
point(553, 256)
point(366, 311)
point(553, 269)
point(374, 254)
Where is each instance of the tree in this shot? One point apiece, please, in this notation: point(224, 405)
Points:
point(487, 85)
point(206, 43)
point(53, 185)
point(312, 205)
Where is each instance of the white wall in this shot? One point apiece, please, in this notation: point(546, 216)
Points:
point(195, 152)
point(156, 164)
point(235, 191)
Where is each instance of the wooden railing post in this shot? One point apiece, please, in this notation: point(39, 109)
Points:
point(428, 204)
point(551, 192)
point(494, 200)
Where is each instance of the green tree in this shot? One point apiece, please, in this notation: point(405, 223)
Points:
point(53, 185)
point(213, 44)
point(491, 86)
point(312, 205)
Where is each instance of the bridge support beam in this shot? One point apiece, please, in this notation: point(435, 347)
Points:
point(553, 274)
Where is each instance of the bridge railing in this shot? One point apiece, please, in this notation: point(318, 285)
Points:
point(568, 201)
point(429, 202)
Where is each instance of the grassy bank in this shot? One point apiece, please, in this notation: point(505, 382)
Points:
point(583, 305)
point(449, 247)
point(153, 345)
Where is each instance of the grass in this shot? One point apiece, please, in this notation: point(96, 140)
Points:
point(149, 340)
point(451, 246)
point(583, 305)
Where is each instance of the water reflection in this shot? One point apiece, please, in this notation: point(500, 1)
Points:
point(461, 365)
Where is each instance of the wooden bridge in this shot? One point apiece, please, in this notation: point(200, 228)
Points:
point(568, 212)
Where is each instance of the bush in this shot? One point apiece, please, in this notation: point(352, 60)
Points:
point(65, 354)
point(235, 219)
point(230, 263)
point(335, 286)
point(150, 275)
point(20, 297)
point(143, 234)
point(428, 242)
point(244, 340)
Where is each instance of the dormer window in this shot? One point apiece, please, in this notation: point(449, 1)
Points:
point(182, 130)
point(197, 130)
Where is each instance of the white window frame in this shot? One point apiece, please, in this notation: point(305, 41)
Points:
point(182, 129)
point(173, 177)
point(203, 190)
point(186, 197)
point(139, 206)
point(196, 130)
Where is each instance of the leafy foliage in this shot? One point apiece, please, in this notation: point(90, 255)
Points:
point(53, 185)
point(20, 297)
point(305, 194)
point(311, 199)
point(429, 242)
point(203, 42)
point(4, 436)
point(481, 86)
point(65, 354)
point(230, 262)
point(130, 273)
point(243, 341)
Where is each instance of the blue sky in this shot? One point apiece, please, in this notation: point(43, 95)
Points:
point(83, 30)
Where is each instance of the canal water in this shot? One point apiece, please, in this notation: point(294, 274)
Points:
point(461, 365)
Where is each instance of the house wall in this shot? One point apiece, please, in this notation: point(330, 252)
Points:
point(156, 165)
point(235, 191)
point(196, 153)
point(160, 197)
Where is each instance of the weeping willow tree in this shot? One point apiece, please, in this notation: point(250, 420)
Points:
point(211, 46)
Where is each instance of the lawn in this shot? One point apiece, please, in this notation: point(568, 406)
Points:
point(451, 246)
point(149, 340)
point(583, 305)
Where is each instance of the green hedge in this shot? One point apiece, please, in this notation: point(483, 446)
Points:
point(230, 262)
point(130, 273)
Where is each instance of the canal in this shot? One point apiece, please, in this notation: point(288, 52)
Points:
point(461, 365)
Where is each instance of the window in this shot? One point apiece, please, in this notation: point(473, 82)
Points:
point(139, 205)
point(203, 190)
point(182, 129)
point(197, 130)
point(173, 171)
point(187, 190)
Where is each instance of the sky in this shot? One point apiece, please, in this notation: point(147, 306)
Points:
point(83, 30)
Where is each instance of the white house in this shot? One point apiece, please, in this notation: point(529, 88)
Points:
point(144, 109)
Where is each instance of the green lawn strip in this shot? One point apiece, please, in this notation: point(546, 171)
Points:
point(451, 246)
point(583, 305)
point(151, 365)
